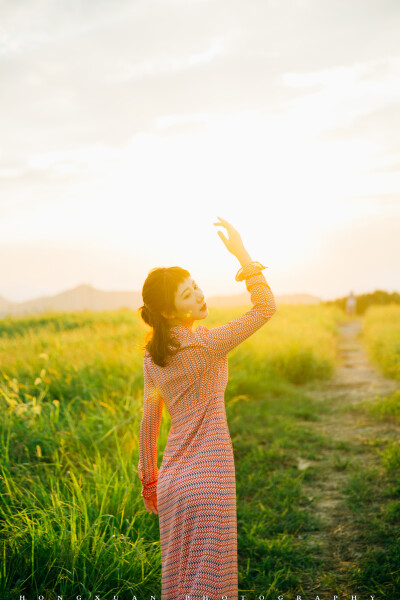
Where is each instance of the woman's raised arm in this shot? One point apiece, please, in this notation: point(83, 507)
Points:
point(219, 340)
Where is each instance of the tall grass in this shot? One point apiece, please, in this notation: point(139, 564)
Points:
point(71, 393)
point(381, 335)
point(373, 492)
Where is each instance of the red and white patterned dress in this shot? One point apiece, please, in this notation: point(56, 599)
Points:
point(195, 485)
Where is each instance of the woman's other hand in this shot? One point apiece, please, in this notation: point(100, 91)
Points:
point(234, 244)
point(151, 504)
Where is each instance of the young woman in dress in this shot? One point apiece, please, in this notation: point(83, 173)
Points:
point(194, 490)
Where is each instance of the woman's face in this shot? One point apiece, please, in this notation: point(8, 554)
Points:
point(189, 303)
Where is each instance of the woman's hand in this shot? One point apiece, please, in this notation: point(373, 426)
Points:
point(234, 244)
point(151, 504)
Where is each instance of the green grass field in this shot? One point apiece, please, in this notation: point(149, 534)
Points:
point(72, 518)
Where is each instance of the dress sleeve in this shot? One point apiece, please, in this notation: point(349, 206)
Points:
point(149, 430)
point(220, 340)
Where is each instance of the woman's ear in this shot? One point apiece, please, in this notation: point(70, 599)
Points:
point(167, 315)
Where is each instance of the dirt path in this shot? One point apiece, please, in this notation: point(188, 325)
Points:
point(356, 380)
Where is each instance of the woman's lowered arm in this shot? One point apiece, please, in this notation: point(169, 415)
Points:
point(149, 430)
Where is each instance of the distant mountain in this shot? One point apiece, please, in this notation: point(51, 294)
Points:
point(5, 306)
point(87, 297)
point(79, 298)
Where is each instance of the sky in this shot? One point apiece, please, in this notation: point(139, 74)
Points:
point(129, 127)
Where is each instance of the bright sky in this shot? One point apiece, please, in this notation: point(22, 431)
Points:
point(129, 126)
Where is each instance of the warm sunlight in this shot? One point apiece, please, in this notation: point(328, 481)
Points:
point(303, 166)
point(199, 300)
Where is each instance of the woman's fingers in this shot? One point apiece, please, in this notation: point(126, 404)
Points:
point(222, 236)
point(151, 505)
point(154, 506)
point(234, 243)
point(148, 504)
point(222, 222)
point(226, 224)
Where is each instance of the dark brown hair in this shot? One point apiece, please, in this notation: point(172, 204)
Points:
point(158, 295)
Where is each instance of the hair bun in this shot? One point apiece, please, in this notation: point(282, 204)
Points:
point(146, 314)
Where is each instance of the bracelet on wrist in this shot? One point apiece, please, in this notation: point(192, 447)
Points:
point(253, 267)
point(151, 483)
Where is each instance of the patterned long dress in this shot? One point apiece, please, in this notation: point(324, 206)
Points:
point(195, 485)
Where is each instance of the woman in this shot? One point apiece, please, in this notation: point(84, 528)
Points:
point(194, 491)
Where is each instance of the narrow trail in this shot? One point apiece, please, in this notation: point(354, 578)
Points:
point(349, 430)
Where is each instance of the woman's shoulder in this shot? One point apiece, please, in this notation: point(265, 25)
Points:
point(201, 336)
point(200, 333)
point(148, 364)
point(147, 359)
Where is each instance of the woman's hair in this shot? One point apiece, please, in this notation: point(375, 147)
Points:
point(158, 296)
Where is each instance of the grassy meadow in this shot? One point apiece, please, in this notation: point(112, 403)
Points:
point(381, 332)
point(374, 492)
point(71, 393)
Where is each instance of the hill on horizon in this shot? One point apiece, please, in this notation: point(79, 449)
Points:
point(85, 296)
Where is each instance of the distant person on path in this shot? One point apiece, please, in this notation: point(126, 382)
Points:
point(194, 490)
point(351, 304)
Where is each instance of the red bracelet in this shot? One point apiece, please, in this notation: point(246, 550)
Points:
point(147, 484)
point(254, 267)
